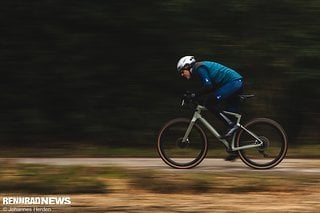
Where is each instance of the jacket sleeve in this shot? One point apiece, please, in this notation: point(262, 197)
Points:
point(207, 85)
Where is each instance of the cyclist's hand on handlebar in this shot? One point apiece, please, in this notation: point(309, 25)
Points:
point(189, 95)
point(189, 98)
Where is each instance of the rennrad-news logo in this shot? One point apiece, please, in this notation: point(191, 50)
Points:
point(36, 201)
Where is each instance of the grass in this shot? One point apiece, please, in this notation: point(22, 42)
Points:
point(223, 183)
point(77, 151)
point(44, 179)
point(160, 183)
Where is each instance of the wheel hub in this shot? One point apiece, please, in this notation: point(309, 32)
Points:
point(265, 143)
point(182, 144)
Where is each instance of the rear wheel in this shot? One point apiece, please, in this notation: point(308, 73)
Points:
point(274, 146)
point(176, 153)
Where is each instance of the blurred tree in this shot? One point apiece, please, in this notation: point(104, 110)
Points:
point(104, 71)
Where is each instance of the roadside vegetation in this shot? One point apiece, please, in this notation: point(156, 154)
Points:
point(45, 179)
point(105, 73)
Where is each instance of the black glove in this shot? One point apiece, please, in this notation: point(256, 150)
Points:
point(189, 96)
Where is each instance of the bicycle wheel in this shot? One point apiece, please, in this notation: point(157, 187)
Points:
point(273, 149)
point(178, 154)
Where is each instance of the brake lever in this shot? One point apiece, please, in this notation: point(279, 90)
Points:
point(182, 103)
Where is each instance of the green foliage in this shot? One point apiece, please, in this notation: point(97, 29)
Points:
point(104, 71)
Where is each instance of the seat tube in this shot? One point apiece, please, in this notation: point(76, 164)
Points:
point(192, 122)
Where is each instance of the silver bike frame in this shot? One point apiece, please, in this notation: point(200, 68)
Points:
point(197, 116)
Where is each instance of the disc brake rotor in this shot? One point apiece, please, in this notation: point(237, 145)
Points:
point(265, 145)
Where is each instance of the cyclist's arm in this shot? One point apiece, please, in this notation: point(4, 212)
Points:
point(207, 85)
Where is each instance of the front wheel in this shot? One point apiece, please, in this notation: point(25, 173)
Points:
point(274, 143)
point(181, 154)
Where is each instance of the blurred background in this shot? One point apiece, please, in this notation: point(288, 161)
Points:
point(104, 72)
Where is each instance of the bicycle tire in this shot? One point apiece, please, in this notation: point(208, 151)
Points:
point(177, 154)
point(273, 149)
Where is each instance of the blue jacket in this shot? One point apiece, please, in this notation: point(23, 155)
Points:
point(214, 75)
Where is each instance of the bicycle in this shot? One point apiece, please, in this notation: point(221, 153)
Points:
point(182, 143)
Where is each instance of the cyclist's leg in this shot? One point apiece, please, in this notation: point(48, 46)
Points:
point(229, 90)
point(233, 102)
point(229, 93)
point(213, 105)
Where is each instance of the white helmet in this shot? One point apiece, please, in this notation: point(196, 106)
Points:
point(185, 61)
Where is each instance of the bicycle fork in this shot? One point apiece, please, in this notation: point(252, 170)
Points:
point(193, 121)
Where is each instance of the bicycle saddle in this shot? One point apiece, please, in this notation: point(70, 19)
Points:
point(244, 97)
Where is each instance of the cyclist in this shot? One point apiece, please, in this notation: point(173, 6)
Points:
point(219, 84)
